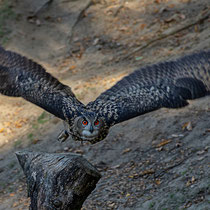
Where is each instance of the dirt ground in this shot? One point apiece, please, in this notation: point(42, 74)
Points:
point(156, 161)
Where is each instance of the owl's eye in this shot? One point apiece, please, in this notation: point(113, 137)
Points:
point(96, 122)
point(84, 122)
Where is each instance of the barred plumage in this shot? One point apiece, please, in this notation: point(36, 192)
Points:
point(166, 84)
point(21, 77)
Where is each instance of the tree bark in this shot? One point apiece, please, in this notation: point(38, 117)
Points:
point(57, 181)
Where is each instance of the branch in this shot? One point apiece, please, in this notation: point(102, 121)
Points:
point(57, 181)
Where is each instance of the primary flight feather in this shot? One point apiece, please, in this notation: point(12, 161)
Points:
point(168, 84)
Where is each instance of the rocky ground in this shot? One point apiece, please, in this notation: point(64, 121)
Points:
point(156, 161)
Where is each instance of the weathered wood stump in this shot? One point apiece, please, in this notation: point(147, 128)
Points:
point(57, 181)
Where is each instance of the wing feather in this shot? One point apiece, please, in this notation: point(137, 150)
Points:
point(167, 84)
point(22, 77)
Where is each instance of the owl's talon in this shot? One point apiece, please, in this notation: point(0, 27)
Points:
point(63, 136)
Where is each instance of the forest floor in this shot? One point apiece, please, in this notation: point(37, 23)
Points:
point(156, 161)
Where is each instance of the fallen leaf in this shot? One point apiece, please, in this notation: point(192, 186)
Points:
point(38, 22)
point(133, 175)
point(163, 9)
point(157, 1)
point(159, 149)
point(200, 158)
point(178, 144)
point(206, 148)
point(116, 166)
point(196, 28)
point(164, 142)
point(139, 58)
point(15, 204)
point(8, 130)
point(188, 204)
point(72, 67)
point(66, 149)
point(111, 205)
point(18, 125)
point(177, 135)
point(123, 28)
point(188, 183)
point(35, 141)
point(149, 171)
point(142, 26)
point(193, 179)
point(201, 152)
point(126, 150)
point(7, 124)
point(171, 5)
point(157, 181)
point(95, 41)
point(79, 151)
point(182, 16)
point(172, 18)
point(187, 126)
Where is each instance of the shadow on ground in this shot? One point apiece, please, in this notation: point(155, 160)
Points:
point(146, 176)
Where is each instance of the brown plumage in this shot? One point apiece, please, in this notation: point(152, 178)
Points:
point(167, 84)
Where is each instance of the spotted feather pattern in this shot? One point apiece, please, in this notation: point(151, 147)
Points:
point(23, 77)
point(167, 84)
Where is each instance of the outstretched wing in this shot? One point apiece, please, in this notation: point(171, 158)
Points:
point(21, 77)
point(169, 84)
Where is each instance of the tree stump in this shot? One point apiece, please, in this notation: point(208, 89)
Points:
point(57, 181)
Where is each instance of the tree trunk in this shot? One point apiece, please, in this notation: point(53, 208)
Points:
point(57, 181)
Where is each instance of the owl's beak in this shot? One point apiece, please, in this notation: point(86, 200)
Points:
point(91, 129)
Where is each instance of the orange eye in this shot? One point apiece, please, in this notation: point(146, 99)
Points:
point(84, 122)
point(96, 122)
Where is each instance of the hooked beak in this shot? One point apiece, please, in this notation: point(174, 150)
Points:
point(91, 129)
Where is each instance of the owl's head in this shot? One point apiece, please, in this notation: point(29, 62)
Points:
point(89, 127)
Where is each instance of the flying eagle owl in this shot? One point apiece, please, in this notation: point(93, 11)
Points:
point(167, 84)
